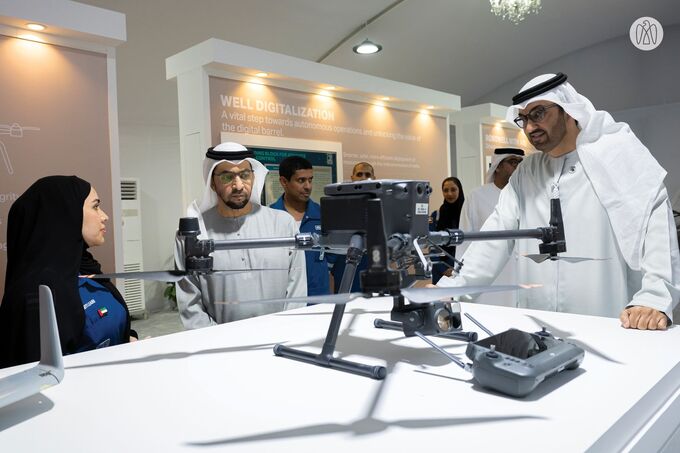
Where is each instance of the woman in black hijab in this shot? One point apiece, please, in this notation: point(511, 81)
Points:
point(49, 228)
point(449, 218)
point(449, 212)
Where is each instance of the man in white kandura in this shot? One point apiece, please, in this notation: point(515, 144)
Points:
point(479, 205)
point(622, 254)
point(231, 209)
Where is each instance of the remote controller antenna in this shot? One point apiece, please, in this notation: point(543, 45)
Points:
point(451, 357)
point(478, 324)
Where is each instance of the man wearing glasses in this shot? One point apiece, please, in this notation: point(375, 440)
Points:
point(622, 256)
point(481, 201)
point(231, 210)
point(478, 207)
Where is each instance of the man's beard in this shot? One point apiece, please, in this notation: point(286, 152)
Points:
point(551, 138)
point(236, 204)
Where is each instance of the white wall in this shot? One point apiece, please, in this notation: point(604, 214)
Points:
point(613, 74)
point(657, 128)
point(639, 88)
point(151, 153)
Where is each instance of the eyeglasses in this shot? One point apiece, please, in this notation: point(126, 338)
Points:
point(536, 115)
point(513, 162)
point(227, 177)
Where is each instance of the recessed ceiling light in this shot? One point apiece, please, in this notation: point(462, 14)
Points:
point(324, 93)
point(385, 98)
point(430, 107)
point(35, 27)
point(367, 47)
point(261, 74)
point(329, 87)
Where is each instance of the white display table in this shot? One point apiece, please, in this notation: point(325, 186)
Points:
point(223, 388)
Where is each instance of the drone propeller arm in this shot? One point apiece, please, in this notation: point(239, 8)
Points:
point(453, 237)
point(301, 241)
point(259, 243)
point(552, 237)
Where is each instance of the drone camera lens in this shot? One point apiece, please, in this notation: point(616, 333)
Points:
point(443, 318)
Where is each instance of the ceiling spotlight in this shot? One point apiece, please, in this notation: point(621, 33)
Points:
point(261, 74)
point(367, 47)
point(330, 87)
point(324, 93)
point(385, 98)
point(35, 27)
point(430, 107)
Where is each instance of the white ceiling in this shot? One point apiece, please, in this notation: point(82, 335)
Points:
point(456, 46)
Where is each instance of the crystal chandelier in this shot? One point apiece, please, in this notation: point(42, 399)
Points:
point(514, 10)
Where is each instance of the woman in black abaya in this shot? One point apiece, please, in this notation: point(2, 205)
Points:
point(49, 228)
point(448, 218)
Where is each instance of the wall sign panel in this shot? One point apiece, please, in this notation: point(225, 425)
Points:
point(400, 144)
point(54, 120)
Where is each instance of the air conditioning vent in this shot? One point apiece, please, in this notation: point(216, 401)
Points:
point(128, 189)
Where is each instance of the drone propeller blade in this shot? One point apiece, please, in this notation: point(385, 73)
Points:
point(578, 259)
point(424, 295)
point(336, 299)
point(540, 257)
point(537, 257)
point(169, 276)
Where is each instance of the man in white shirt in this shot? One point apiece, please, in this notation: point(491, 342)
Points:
point(622, 255)
point(481, 201)
point(478, 207)
point(231, 210)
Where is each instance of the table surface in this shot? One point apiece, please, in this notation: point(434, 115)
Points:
point(223, 387)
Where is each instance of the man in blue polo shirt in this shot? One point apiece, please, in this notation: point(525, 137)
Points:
point(296, 175)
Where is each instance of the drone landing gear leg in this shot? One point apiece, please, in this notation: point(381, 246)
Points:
point(325, 358)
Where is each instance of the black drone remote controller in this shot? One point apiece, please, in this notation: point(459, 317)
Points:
point(515, 362)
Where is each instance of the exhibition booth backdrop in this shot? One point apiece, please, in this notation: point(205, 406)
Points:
point(399, 144)
point(292, 108)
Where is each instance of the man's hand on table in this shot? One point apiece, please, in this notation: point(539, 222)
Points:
point(643, 318)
